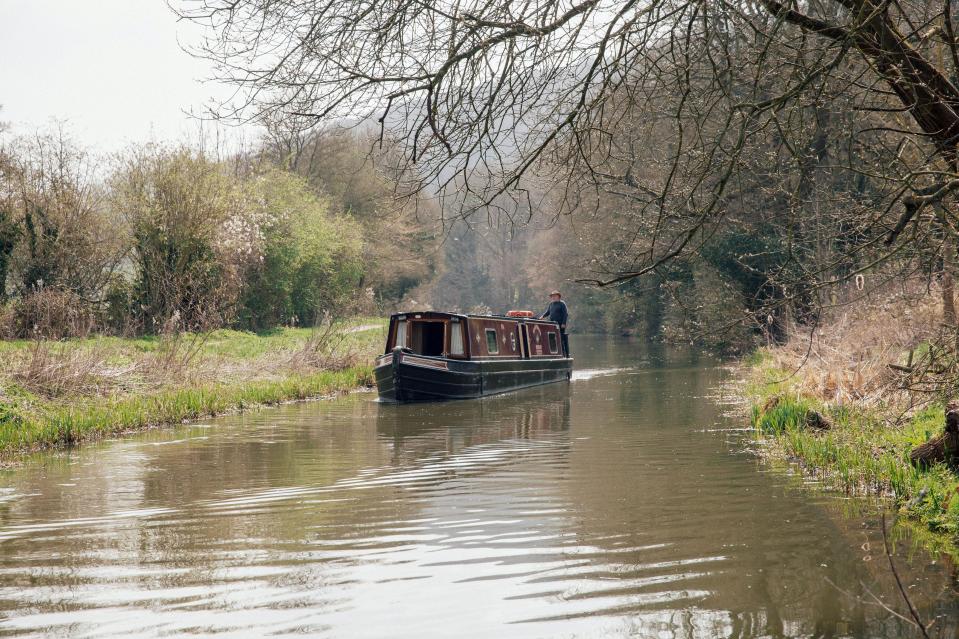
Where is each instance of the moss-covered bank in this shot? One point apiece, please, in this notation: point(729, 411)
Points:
point(862, 451)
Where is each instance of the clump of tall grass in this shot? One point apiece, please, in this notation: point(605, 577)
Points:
point(327, 348)
point(55, 370)
point(781, 415)
point(66, 423)
point(176, 358)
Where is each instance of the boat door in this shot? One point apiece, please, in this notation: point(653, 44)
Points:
point(533, 339)
point(523, 343)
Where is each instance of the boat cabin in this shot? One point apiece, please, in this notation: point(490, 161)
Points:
point(436, 356)
point(474, 337)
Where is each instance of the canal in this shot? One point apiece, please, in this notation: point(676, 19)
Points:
point(622, 504)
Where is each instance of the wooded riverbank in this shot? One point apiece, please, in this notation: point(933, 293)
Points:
point(60, 393)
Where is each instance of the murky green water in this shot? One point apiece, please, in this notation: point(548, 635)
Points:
point(617, 505)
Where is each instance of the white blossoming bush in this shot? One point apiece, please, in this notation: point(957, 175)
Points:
point(306, 258)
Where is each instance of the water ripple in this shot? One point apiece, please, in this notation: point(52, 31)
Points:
point(609, 507)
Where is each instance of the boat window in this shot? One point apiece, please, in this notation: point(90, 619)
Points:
point(552, 342)
point(456, 338)
point(492, 346)
point(427, 338)
point(400, 333)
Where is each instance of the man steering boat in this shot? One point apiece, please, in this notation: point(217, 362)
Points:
point(558, 312)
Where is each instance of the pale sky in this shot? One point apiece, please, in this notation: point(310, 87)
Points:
point(113, 69)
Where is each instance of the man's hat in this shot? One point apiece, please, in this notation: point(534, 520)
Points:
point(556, 293)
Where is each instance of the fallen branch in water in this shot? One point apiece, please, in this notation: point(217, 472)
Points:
point(902, 589)
point(913, 619)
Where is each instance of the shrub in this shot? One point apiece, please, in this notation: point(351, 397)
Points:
point(56, 231)
point(51, 313)
point(310, 261)
point(8, 329)
point(118, 313)
point(183, 212)
point(400, 244)
point(9, 234)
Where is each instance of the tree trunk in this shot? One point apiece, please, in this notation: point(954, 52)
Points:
point(945, 447)
point(949, 281)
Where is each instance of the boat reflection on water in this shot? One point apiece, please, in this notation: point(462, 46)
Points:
point(450, 427)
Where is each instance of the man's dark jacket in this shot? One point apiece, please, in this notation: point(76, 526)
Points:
point(557, 312)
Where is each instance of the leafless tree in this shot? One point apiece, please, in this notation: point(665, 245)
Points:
point(830, 126)
point(502, 86)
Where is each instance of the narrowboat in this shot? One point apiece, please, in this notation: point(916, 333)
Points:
point(437, 356)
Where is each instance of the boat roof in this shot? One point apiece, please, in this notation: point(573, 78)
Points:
point(471, 315)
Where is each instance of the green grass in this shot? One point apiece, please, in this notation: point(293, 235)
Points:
point(861, 453)
point(233, 370)
point(241, 345)
point(69, 423)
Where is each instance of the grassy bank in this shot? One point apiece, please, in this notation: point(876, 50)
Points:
point(864, 447)
point(55, 394)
